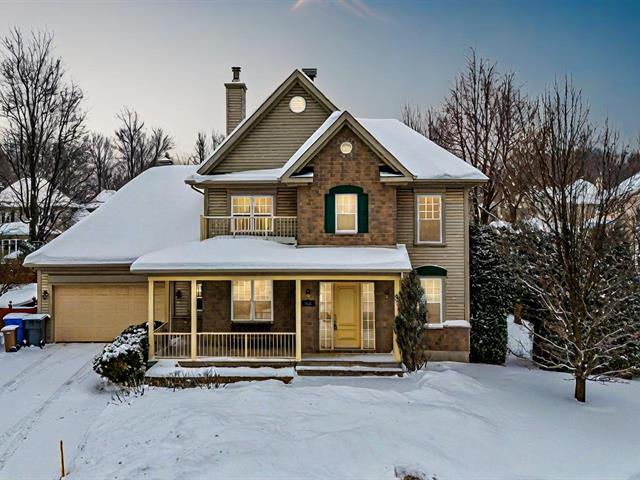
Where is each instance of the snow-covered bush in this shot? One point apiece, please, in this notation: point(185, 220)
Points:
point(491, 294)
point(124, 360)
point(411, 323)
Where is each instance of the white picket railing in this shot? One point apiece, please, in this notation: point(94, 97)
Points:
point(247, 345)
point(249, 226)
point(172, 345)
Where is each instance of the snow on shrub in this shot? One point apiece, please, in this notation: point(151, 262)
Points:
point(491, 294)
point(124, 360)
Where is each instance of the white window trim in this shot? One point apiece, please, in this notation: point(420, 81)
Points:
point(417, 219)
point(441, 279)
point(252, 318)
point(331, 314)
point(252, 215)
point(345, 232)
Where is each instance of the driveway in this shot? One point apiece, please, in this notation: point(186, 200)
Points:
point(46, 396)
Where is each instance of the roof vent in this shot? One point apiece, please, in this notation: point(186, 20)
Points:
point(312, 73)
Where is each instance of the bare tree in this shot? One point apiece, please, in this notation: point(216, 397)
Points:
point(43, 137)
point(103, 164)
point(480, 121)
point(579, 270)
point(136, 148)
point(205, 145)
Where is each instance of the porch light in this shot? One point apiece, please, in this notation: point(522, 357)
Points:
point(45, 294)
point(178, 293)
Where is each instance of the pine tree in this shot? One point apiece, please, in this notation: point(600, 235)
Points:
point(491, 295)
point(411, 322)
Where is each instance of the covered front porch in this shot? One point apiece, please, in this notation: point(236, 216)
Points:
point(272, 319)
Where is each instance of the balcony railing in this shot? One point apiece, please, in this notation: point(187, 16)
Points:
point(212, 226)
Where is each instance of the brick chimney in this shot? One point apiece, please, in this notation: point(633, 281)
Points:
point(236, 100)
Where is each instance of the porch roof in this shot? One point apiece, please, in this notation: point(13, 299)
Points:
point(226, 254)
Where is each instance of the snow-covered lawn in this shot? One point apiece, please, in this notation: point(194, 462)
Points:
point(46, 396)
point(452, 421)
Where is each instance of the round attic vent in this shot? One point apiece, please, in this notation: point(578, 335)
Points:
point(346, 148)
point(297, 104)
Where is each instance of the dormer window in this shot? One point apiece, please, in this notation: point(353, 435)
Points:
point(297, 104)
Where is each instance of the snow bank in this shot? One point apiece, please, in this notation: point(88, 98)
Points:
point(169, 368)
point(520, 341)
point(449, 422)
point(14, 229)
point(153, 211)
point(254, 254)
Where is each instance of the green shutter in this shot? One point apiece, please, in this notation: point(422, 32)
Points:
point(363, 213)
point(329, 213)
point(431, 271)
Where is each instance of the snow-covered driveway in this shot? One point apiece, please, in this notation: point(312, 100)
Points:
point(46, 396)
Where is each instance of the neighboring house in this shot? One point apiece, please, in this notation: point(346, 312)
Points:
point(99, 200)
point(289, 241)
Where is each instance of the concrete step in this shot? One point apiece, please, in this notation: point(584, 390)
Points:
point(348, 370)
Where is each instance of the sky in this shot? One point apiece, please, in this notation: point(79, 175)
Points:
point(169, 60)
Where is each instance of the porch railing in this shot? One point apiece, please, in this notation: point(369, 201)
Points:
point(172, 345)
point(247, 345)
point(212, 226)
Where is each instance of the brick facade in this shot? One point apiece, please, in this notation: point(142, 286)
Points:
point(448, 339)
point(359, 168)
point(216, 314)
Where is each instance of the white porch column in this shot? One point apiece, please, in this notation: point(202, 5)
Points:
point(298, 320)
point(150, 320)
point(194, 319)
point(396, 289)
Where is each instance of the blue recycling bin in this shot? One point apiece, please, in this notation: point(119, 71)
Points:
point(16, 318)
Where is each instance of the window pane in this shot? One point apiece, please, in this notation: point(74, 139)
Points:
point(346, 207)
point(241, 310)
point(262, 310)
point(262, 299)
point(326, 315)
point(241, 290)
point(433, 291)
point(263, 205)
point(429, 218)
point(368, 315)
point(241, 205)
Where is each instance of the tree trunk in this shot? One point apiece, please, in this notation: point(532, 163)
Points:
point(581, 389)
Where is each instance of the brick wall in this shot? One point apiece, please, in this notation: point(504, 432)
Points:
point(216, 314)
point(450, 339)
point(359, 168)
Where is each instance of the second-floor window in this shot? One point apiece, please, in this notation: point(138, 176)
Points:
point(346, 213)
point(429, 218)
point(251, 213)
point(252, 301)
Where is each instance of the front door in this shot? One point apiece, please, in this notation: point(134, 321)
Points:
point(347, 308)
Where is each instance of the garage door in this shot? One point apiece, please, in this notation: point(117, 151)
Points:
point(97, 313)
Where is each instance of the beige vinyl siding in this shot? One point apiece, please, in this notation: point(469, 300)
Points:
point(216, 202)
point(452, 255)
point(276, 136)
point(182, 305)
point(43, 284)
point(287, 202)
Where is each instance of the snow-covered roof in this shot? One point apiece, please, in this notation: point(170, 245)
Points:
point(153, 211)
point(254, 254)
point(14, 229)
point(100, 199)
point(584, 191)
point(421, 157)
point(19, 295)
point(10, 196)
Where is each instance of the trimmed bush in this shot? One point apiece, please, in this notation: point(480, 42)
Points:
point(411, 323)
point(492, 290)
point(124, 361)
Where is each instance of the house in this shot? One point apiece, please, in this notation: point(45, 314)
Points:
point(99, 200)
point(14, 230)
point(290, 241)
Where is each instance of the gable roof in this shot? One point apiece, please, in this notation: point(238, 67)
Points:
point(409, 152)
point(325, 132)
point(249, 122)
point(153, 211)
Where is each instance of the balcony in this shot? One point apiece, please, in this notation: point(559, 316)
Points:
point(252, 226)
